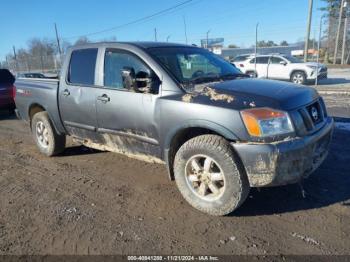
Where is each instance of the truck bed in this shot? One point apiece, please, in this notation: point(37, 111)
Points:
point(35, 91)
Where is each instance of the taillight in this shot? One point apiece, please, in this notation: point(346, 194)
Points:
point(241, 65)
point(13, 91)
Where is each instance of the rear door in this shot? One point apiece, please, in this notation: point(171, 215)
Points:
point(77, 95)
point(261, 65)
point(127, 119)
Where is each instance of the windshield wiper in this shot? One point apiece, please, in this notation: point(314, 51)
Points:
point(203, 79)
point(233, 76)
point(212, 78)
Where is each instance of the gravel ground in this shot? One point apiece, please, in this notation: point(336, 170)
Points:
point(90, 202)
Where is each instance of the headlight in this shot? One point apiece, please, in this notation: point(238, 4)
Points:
point(262, 122)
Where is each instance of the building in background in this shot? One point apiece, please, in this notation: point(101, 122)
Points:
point(215, 45)
point(229, 53)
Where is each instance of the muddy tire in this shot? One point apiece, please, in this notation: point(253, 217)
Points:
point(209, 177)
point(48, 141)
point(298, 77)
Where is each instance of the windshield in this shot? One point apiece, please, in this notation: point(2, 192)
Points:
point(192, 66)
point(292, 59)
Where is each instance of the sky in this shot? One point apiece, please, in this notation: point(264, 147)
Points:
point(233, 20)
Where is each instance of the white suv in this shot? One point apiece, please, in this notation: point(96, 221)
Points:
point(282, 67)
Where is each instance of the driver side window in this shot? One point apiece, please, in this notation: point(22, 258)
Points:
point(117, 61)
point(276, 60)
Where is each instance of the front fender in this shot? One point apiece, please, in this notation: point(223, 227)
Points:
point(211, 126)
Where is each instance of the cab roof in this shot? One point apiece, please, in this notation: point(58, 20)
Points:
point(143, 45)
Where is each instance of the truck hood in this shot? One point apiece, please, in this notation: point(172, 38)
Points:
point(245, 93)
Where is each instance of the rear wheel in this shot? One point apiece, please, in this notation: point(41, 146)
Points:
point(47, 139)
point(209, 177)
point(252, 74)
point(298, 77)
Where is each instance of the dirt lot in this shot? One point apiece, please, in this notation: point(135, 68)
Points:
point(90, 202)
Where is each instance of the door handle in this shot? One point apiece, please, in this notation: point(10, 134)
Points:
point(104, 98)
point(66, 92)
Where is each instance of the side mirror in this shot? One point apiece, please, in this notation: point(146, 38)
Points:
point(145, 82)
point(283, 63)
point(128, 77)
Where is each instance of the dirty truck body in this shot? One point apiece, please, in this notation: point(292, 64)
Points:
point(218, 132)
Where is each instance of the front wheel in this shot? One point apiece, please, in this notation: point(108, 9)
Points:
point(209, 177)
point(298, 78)
point(49, 142)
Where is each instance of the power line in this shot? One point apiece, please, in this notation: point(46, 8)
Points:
point(135, 21)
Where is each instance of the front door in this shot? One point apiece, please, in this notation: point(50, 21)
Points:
point(127, 116)
point(278, 68)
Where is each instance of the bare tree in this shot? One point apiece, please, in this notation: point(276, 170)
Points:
point(82, 40)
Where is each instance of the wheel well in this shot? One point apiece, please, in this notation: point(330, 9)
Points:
point(251, 71)
point(182, 137)
point(297, 70)
point(35, 109)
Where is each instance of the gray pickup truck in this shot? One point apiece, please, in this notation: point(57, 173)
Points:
point(218, 132)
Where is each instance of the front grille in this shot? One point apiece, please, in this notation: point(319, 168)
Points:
point(313, 115)
point(315, 112)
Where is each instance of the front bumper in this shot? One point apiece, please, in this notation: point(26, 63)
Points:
point(8, 104)
point(285, 162)
point(321, 75)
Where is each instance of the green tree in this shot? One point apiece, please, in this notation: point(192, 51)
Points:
point(268, 43)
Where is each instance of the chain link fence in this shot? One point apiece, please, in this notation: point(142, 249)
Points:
point(46, 64)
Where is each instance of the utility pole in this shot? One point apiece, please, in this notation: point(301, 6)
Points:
point(58, 41)
point(167, 38)
point(344, 34)
point(155, 34)
point(338, 32)
point(7, 62)
point(208, 38)
point(256, 46)
point(15, 56)
point(185, 27)
point(308, 28)
point(318, 49)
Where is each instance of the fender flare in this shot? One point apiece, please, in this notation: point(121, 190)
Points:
point(212, 126)
point(297, 70)
point(45, 109)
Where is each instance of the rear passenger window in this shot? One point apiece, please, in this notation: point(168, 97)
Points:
point(260, 60)
point(82, 67)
